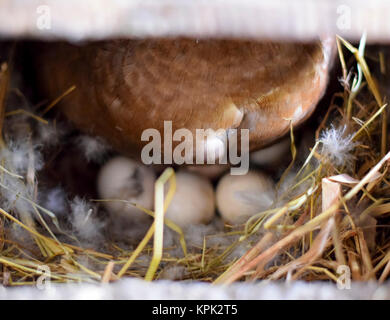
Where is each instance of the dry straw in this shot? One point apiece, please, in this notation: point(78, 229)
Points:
point(328, 223)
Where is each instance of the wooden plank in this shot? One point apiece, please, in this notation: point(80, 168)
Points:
point(266, 19)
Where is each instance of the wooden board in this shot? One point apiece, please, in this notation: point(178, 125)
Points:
point(266, 19)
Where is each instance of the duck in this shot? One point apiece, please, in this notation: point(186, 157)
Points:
point(126, 86)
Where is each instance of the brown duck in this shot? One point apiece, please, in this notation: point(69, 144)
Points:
point(126, 86)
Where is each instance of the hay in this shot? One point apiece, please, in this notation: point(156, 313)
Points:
point(333, 212)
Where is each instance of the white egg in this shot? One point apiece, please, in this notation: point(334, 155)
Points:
point(271, 155)
point(126, 179)
point(242, 196)
point(193, 202)
point(210, 171)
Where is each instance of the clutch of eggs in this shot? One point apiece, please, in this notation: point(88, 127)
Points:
point(123, 182)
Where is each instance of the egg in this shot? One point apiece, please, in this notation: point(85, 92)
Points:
point(126, 179)
point(272, 155)
point(242, 196)
point(210, 171)
point(193, 201)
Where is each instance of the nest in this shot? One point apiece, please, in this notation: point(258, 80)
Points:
point(333, 213)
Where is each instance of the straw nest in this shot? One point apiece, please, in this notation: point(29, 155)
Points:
point(333, 213)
